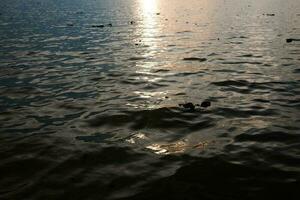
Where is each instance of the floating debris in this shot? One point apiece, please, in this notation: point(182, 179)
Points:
point(157, 13)
point(110, 25)
point(132, 22)
point(70, 24)
point(195, 59)
point(205, 104)
point(270, 14)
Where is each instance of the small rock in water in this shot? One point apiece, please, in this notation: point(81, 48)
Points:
point(70, 24)
point(132, 22)
point(205, 104)
point(195, 59)
point(189, 105)
point(109, 24)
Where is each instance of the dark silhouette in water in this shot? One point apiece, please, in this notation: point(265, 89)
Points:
point(189, 106)
point(192, 106)
point(289, 40)
point(205, 104)
point(270, 15)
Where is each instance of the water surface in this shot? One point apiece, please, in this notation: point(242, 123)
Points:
point(89, 94)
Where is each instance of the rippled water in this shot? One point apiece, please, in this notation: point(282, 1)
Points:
point(89, 94)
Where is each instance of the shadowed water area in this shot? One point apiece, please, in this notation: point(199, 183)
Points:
point(90, 93)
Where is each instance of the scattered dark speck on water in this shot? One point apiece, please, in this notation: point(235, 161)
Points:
point(195, 59)
point(98, 26)
point(289, 40)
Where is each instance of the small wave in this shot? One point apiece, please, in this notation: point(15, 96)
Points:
point(136, 58)
point(244, 113)
point(241, 62)
point(162, 118)
point(267, 136)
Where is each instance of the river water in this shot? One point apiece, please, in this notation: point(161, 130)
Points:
point(90, 93)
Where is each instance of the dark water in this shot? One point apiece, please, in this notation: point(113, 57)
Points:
point(91, 112)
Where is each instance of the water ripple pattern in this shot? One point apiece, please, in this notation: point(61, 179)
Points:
point(90, 93)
